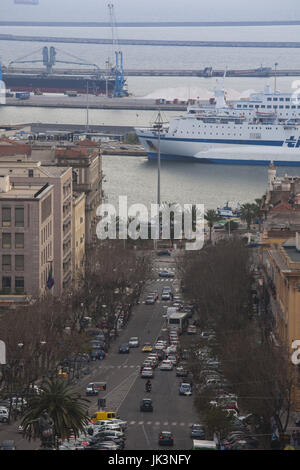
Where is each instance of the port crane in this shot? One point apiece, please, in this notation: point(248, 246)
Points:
point(120, 81)
point(49, 59)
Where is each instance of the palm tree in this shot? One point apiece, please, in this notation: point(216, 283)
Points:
point(212, 217)
point(248, 213)
point(67, 410)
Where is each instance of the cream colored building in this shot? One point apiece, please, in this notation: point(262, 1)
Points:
point(27, 242)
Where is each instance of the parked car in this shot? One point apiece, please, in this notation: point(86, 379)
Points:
point(8, 445)
point(97, 354)
point(3, 415)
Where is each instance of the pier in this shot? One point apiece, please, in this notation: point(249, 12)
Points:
point(151, 42)
point(259, 72)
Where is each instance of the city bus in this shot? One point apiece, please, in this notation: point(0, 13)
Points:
point(178, 321)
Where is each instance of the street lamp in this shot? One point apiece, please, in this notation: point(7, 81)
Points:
point(275, 74)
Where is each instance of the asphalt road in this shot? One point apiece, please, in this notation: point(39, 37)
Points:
point(125, 387)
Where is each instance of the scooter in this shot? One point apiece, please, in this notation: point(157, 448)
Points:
point(148, 388)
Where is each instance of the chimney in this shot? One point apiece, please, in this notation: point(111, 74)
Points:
point(4, 184)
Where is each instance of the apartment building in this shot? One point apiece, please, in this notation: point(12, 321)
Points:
point(27, 242)
point(85, 159)
point(279, 257)
point(60, 178)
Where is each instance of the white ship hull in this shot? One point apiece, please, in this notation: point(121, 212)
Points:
point(220, 152)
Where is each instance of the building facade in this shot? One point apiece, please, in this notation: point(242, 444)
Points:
point(60, 178)
point(27, 243)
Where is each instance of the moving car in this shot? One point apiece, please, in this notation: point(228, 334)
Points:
point(166, 296)
point(165, 438)
point(147, 347)
point(197, 431)
point(134, 342)
point(91, 390)
point(166, 365)
point(185, 389)
point(164, 253)
point(166, 274)
point(181, 372)
point(150, 300)
point(147, 373)
point(154, 295)
point(124, 348)
point(146, 405)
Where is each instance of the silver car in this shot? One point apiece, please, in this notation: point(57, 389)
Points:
point(134, 342)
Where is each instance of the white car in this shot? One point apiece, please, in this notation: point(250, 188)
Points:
point(119, 422)
point(171, 349)
point(159, 346)
point(134, 342)
point(166, 365)
point(3, 415)
point(147, 372)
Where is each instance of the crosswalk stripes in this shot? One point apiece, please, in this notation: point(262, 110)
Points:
point(159, 423)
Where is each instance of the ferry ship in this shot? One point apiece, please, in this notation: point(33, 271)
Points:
point(264, 128)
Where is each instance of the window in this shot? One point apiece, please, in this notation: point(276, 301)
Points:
point(19, 284)
point(19, 240)
point(6, 216)
point(6, 283)
point(6, 240)
point(19, 262)
point(30, 173)
point(19, 216)
point(287, 99)
point(6, 262)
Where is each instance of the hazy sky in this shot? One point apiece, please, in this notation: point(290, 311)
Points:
point(143, 10)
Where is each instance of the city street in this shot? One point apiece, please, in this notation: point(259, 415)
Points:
point(125, 387)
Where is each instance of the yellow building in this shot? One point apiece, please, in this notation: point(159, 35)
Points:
point(282, 280)
point(78, 236)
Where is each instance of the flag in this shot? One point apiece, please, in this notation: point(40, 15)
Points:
point(50, 280)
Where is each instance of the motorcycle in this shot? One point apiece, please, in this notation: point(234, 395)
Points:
point(148, 387)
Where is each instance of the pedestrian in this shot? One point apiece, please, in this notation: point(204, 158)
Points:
point(298, 438)
point(294, 437)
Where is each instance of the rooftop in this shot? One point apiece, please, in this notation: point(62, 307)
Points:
point(25, 191)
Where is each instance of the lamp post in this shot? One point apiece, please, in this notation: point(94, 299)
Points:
point(275, 74)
